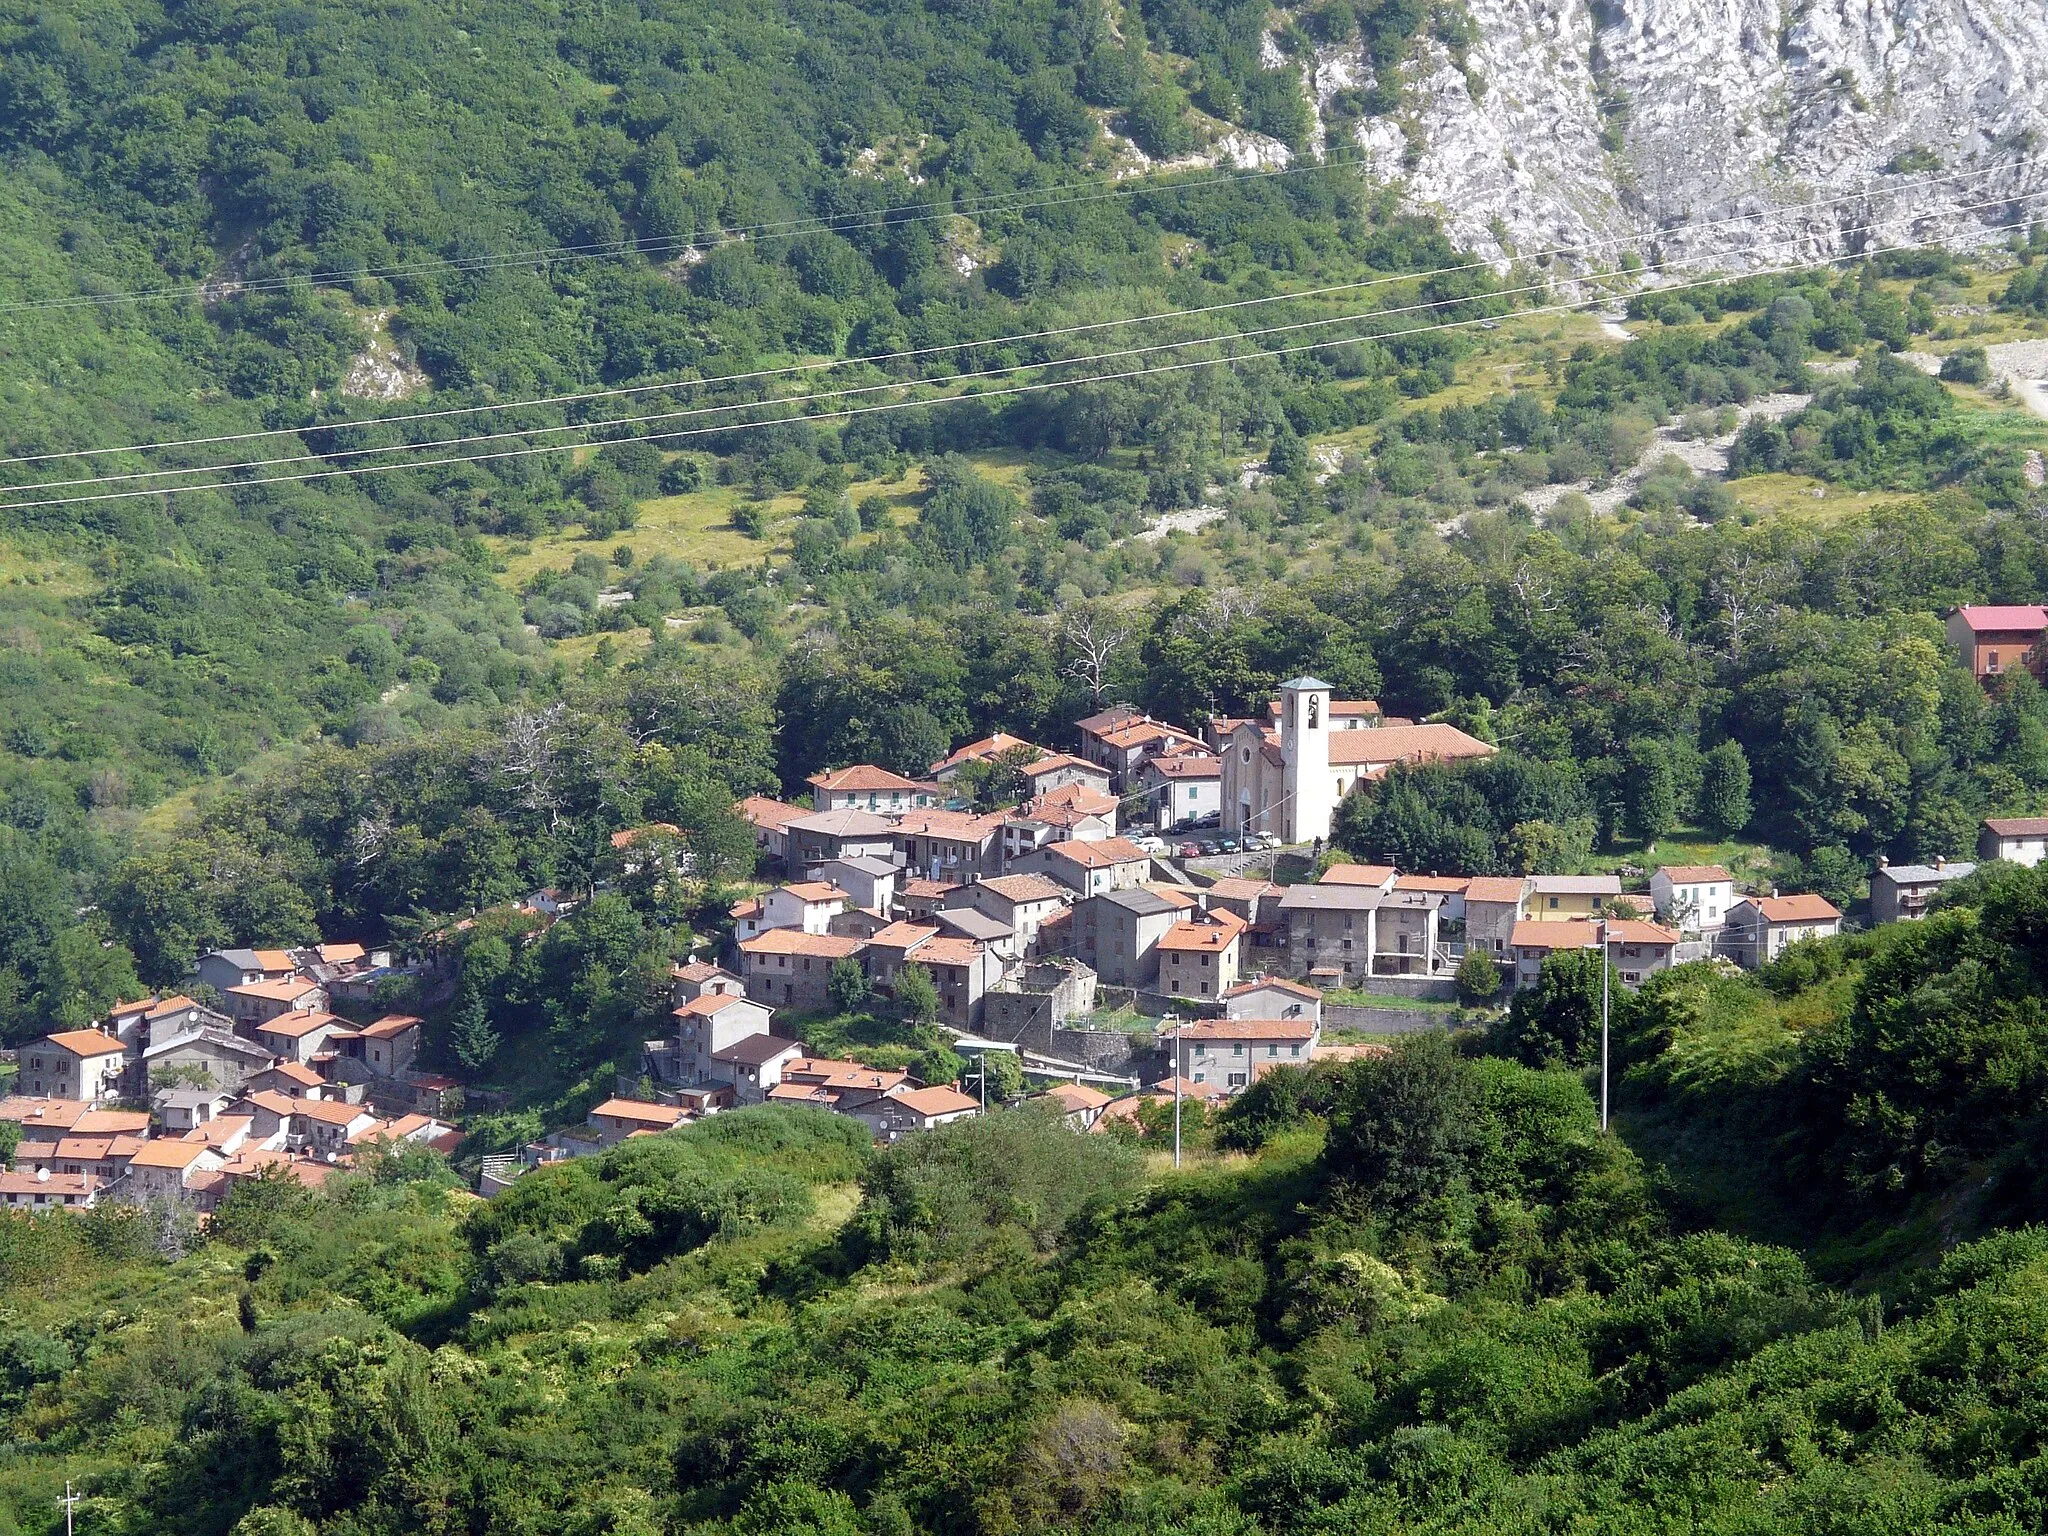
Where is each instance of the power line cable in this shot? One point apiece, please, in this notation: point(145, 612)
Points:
point(625, 391)
point(1023, 389)
point(853, 390)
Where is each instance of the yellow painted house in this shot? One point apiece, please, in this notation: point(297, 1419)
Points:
point(1561, 898)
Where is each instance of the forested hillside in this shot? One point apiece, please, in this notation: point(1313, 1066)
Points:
point(1419, 1292)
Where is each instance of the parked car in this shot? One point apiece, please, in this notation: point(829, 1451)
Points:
point(1208, 848)
point(1230, 845)
point(1190, 850)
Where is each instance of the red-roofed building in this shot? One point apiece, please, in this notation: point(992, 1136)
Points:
point(1992, 640)
point(1637, 950)
point(43, 1190)
point(300, 1036)
point(79, 1064)
point(708, 1024)
point(787, 968)
point(616, 1119)
point(987, 750)
point(1229, 1053)
point(770, 820)
point(865, 787)
point(1198, 957)
point(2016, 839)
point(1289, 780)
point(1091, 869)
point(258, 1002)
point(1759, 927)
point(893, 1115)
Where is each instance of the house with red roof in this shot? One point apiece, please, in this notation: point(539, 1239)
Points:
point(1227, 1054)
point(864, 787)
point(1993, 639)
point(1760, 927)
point(81, 1064)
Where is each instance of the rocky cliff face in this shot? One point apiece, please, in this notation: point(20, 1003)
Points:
point(1638, 124)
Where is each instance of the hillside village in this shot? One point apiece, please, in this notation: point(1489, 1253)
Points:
point(1009, 899)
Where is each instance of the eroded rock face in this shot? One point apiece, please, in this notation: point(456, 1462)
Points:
point(1712, 109)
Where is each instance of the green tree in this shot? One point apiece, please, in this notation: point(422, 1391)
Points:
point(847, 986)
point(1401, 1130)
point(1478, 978)
point(1724, 806)
point(1556, 1022)
point(1649, 790)
point(916, 995)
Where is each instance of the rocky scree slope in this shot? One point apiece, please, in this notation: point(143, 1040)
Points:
point(1636, 124)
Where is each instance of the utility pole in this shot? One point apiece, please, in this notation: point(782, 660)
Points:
point(1176, 1095)
point(1603, 1024)
point(68, 1501)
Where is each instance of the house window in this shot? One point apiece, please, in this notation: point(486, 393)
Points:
point(1553, 903)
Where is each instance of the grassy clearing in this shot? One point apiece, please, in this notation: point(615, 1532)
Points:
point(1746, 861)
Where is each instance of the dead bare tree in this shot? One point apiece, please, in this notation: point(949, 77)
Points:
point(1093, 638)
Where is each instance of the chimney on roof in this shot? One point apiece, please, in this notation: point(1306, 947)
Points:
point(1885, 863)
point(1941, 861)
point(1774, 893)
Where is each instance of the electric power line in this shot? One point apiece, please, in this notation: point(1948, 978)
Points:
point(848, 391)
point(1011, 391)
point(627, 391)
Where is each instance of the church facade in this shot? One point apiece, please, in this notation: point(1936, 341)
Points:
point(1290, 780)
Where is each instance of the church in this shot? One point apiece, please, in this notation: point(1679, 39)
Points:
point(1289, 781)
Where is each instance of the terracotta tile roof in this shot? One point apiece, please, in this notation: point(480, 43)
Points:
point(981, 751)
point(1107, 719)
point(1075, 1097)
point(764, 812)
point(1189, 1089)
point(1249, 1029)
point(298, 1025)
point(222, 1129)
point(628, 836)
point(289, 990)
point(1357, 874)
point(936, 1101)
point(746, 906)
point(1447, 885)
point(1403, 744)
point(1053, 762)
point(2017, 826)
point(168, 1154)
point(274, 959)
point(55, 1185)
point(1629, 930)
point(1023, 888)
point(831, 1072)
point(328, 1111)
point(37, 1113)
point(1138, 732)
point(85, 1042)
point(390, 1026)
point(406, 1125)
point(646, 1114)
point(1578, 933)
point(813, 891)
point(1274, 984)
point(84, 1149)
point(1216, 934)
point(1796, 909)
point(1693, 874)
point(296, 1072)
point(170, 1005)
point(279, 1104)
point(111, 1122)
point(707, 1005)
point(1102, 855)
point(1186, 765)
point(2003, 617)
point(863, 776)
point(949, 951)
point(340, 954)
point(1236, 888)
point(929, 890)
point(1077, 797)
point(903, 936)
point(696, 970)
point(1498, 888)
point(789, 941)
point(959, 826)
point(803, 1093)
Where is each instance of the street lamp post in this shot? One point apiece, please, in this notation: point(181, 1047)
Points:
point(1603, 1023)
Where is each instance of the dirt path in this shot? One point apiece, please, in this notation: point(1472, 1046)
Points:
point(2024, 365)
point(1705, 456)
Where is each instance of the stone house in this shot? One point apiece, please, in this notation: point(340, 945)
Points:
point(1198, 956)
point(1117, 934)
point(1760, 927)
point(787, 968)
point(81, 1064)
